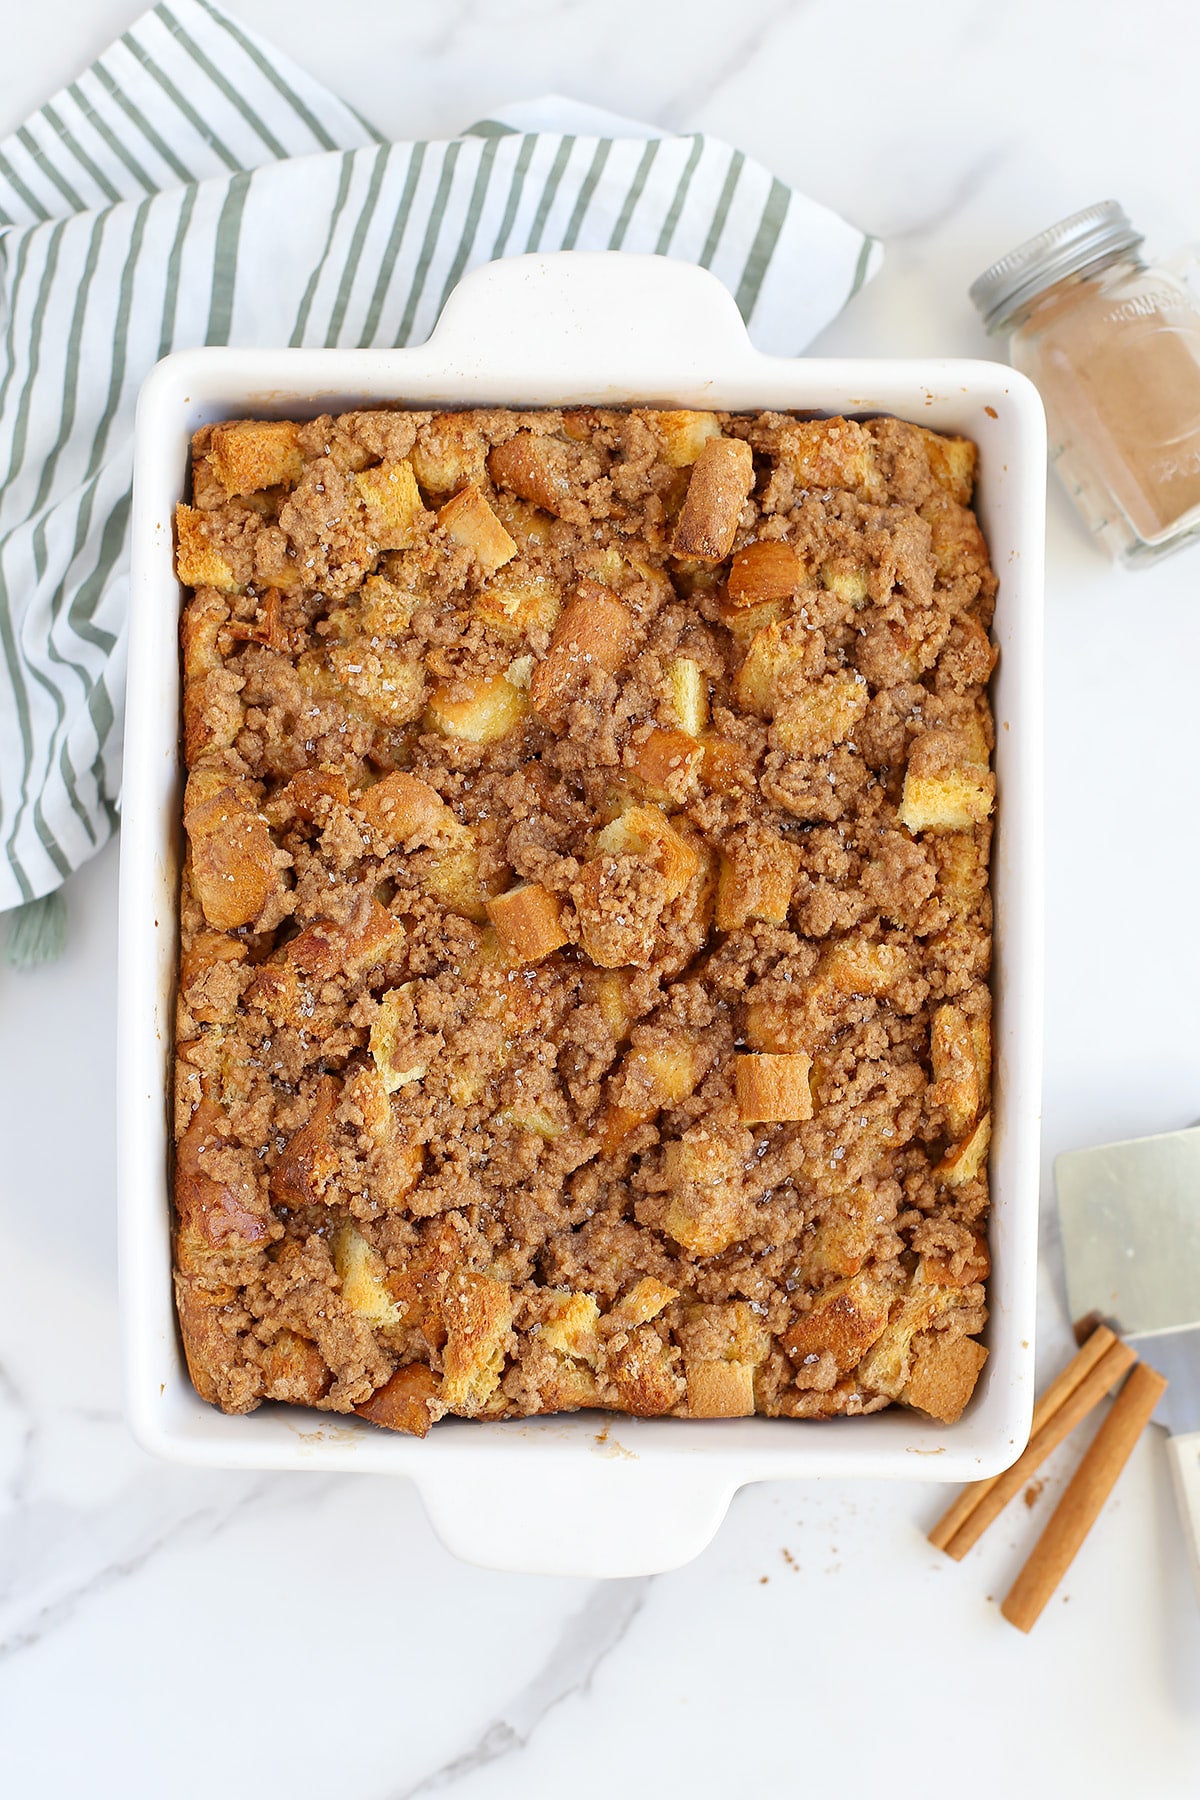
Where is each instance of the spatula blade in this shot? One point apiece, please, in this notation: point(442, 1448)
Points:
point(1130, 1217)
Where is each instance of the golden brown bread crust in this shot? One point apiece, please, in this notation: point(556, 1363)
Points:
point(585, 929)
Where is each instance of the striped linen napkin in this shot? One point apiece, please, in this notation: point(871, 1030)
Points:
point(196, 187)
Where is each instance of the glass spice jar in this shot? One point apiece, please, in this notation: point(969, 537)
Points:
point(1113, 344)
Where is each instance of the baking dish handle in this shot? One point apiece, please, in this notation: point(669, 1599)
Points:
point(610, 1514)
point(658, 320)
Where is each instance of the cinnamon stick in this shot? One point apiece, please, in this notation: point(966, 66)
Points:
point(1090, 1391)
point(1065, 1383)
point(1084, 1499)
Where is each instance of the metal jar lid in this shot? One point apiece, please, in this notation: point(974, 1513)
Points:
point(1094, 235)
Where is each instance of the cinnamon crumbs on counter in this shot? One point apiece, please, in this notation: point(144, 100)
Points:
point(585, 927)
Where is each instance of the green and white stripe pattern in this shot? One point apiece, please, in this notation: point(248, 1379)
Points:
point(195, 187)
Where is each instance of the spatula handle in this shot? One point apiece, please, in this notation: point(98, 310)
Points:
point(1183, 1454)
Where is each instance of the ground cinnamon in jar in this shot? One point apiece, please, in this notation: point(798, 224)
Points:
point(1113, 345)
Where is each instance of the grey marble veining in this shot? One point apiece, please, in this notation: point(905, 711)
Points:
point(586, 1639)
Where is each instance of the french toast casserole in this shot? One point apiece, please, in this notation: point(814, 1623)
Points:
point(585, 934)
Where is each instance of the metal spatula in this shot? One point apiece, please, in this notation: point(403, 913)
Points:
point(1130, 1216)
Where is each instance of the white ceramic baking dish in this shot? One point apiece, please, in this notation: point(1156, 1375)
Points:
point(584, 1494)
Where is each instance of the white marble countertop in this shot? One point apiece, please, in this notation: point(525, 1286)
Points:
point(169, 1632)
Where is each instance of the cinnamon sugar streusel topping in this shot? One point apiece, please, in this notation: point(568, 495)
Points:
point(585, 929)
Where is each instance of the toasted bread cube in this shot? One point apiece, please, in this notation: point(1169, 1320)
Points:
point(955, 800)
point(728, 767)
point(367, 1093)
point(744, 623)
point(958, 549)
point(385, 609)
point(361, 1271)
point(951, 463)
point(218, 1208)
point(207, 1345)
point(969, 1159)
point(450, 450)
point(611, 933)
point(478, 1313)
point(842, 1242)
point(401, 806)
point(568, 1387)
point(655, 1074)
point(208, 980)
point(528, 524)
point(294, 1370)
point(407, 1402)
point(725, 1331)
point(975, 1266)
point(833, 453)
point(684, 434)
point(781, 656)
point(621, 570)
point(975, 658)
point(385, 685)
point(278, 570)
point(844, 1319)
point(957, 1076)
point(767, 570)
point(823, 714)
point(393, 504)
point(234, 873)
point(310, 1157)
point(197, 562)
point(310, 795)
point(941, 752)
point(493, 707)
point(528, 921)
point(722, 477)
point(646, 831)
point(643, 1370)
point(707, 1209)
point(536, 1119)
point(850, 584)
point(856, 965)
point(962, 866)
point(971, 736)
point(756, 882)
point(886, 1366)
point(706, 1223)
point(516, 606)
point(778, 1026)
point(537, 468)
point(253, 454)
point(772, 1088)
point(570, 1327)
point(944, 1373)
point(667, 764)
point(454, 879)
point(644, 1301)
point(720, 1390)
point(579, 422)
point(468, 520)
point(392, 1026)
point(200, 627)
point(595, 631)
point(615, 1003)
point(689, 694)
point(286, 986)
point(608, 938)
point(368, 940)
